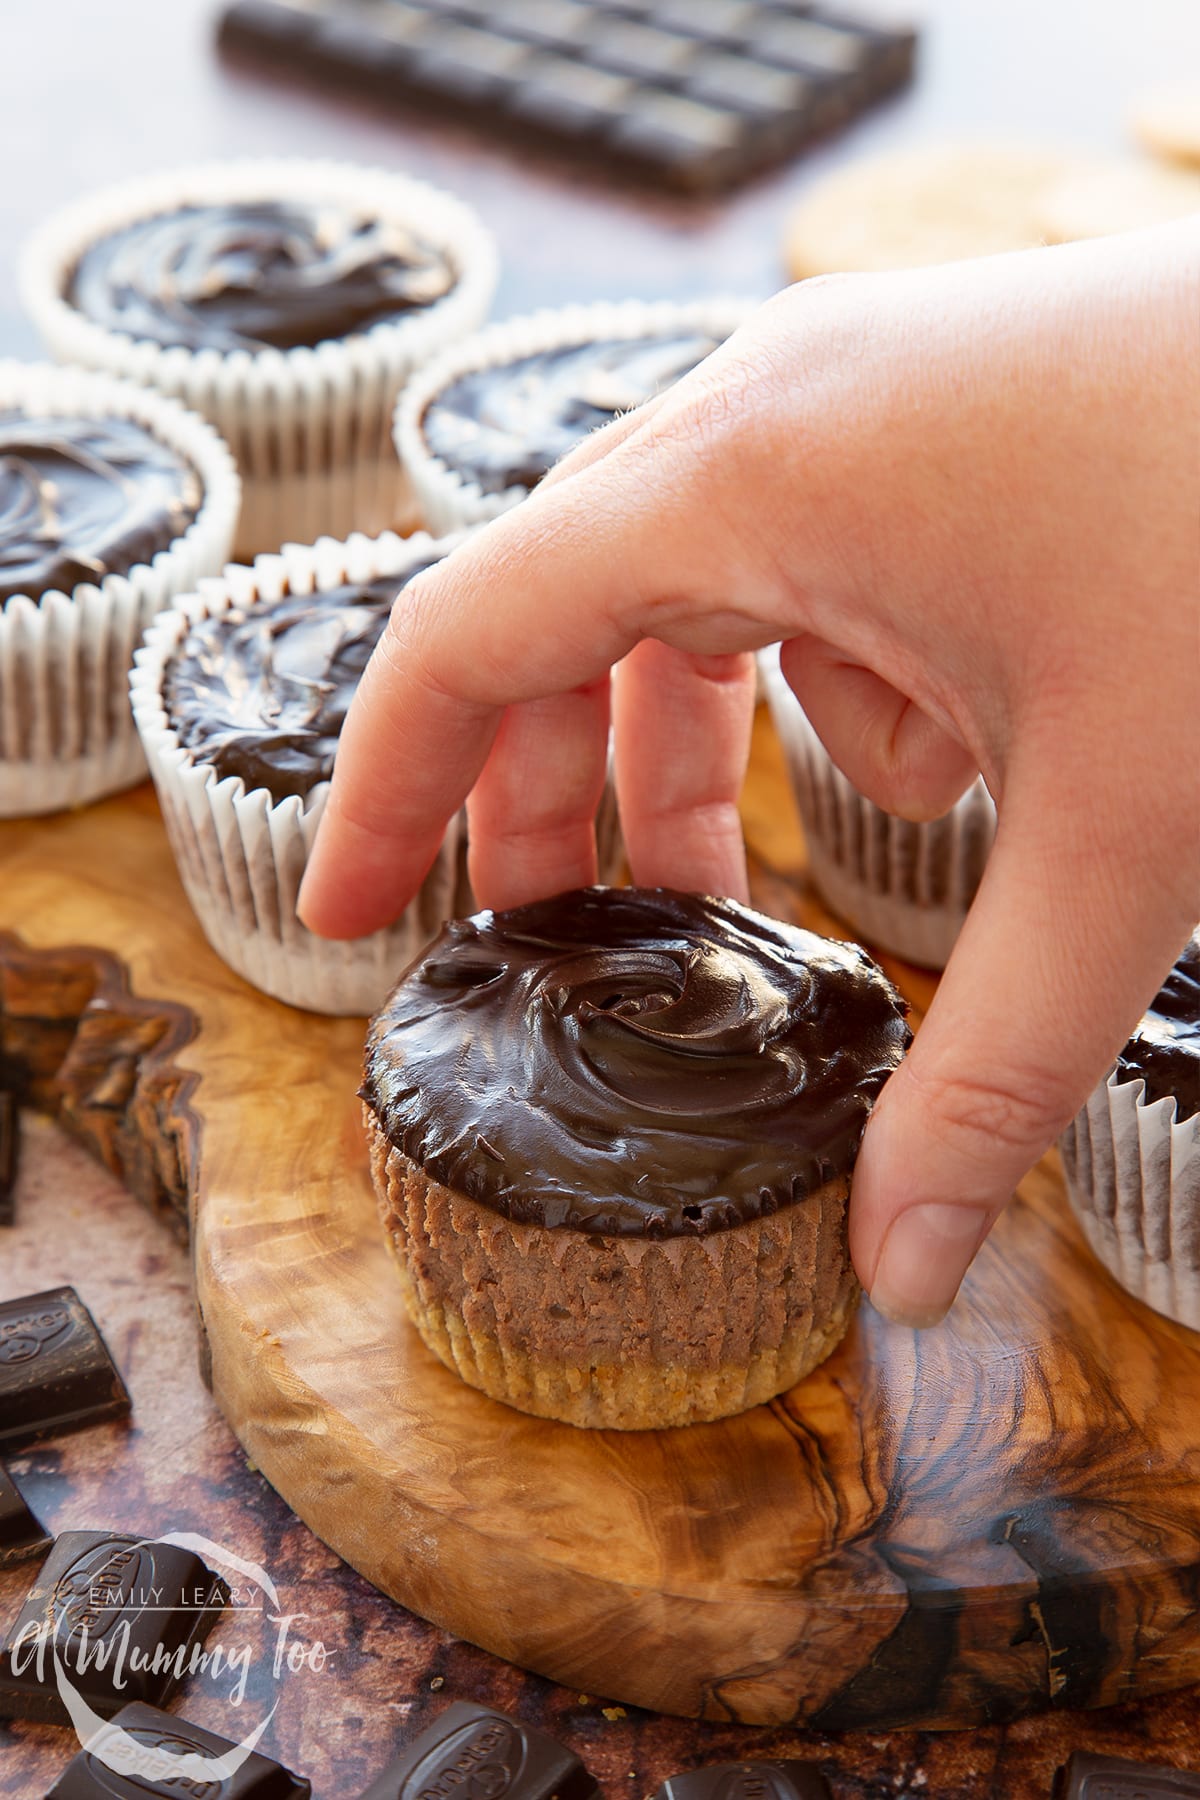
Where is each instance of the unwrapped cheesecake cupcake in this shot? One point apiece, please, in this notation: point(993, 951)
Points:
point(478, 428)
point(112, 501)
point(239, 694)
point(1132, 1155)
point(902, 887)
point(287, 301)
point(612, 1137)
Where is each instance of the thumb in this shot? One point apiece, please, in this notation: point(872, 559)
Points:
point(1068, 940)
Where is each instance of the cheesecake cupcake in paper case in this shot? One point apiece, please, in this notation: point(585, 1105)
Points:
point(903, 887)
point(113, 500)
point(1131, 1156)
point(239, 694)
point(479, 427)
point(612, 1137)
point(287, 301)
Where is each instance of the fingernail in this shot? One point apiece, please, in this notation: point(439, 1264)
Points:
point(925, 1255)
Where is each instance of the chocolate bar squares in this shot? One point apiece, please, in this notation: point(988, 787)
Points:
point(56, 1373)
point(696, 94)
point(123, 1618)
point(473, 1750)
point(138, 1755)
point(1090, 1777)
point(21, 1537)
point(783, 1780)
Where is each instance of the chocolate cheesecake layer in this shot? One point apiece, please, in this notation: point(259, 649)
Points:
point(262, 691)
point(84, 498)
point(505, 426)
point(255, 275)
point(1165, 1048)
point(633, 1061)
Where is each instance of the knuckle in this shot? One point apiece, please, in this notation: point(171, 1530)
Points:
point(1018, 1113)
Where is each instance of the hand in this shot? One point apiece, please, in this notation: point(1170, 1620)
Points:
point(966, 499)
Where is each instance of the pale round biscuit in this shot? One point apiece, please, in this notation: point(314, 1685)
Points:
point(1119, 196)
point(937, 203)
point(1166, 120)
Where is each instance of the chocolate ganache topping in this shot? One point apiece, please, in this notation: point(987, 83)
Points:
point(1165, 1048)
point(84, 498)
point(255, 275)
point(262, 691)
point(628, 1061)
point(506, 426)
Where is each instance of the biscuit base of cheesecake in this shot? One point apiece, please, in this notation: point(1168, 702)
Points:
point(624, 1333)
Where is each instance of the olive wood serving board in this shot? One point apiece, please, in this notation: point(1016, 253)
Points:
point(940, 1529)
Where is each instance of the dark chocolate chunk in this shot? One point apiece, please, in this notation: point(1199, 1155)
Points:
point(56, 1373)
point(10, 1142)
point(782, 1780)
point(123, 1617)
point(1090, 1777)
point(252, 275)
point(139, 1752)
point(1165, 1048)
point(504, 426)
point(648, 104)
point(262, 691)
point(475, 1753)
point(637, 1061)
point(21, 1536)
point(84, 498)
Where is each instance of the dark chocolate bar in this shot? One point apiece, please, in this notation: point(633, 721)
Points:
point(134, 1757)
point(694, 93)
point(56, 1373)
point(10, 1129)
point(123, 1617)
point(472, 1751)
point(1090, 1777)
point(21, 1536)
point(782, 1780)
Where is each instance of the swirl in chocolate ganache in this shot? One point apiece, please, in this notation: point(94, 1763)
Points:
point(1165, 1048)
point(507, 425)
point(262, 691)
point(255, 275)
point(633, 1061)
point(84, 498)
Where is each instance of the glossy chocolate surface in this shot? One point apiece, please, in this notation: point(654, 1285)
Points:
point(473, 1752)
point(101, 1591)
point(262, 691)
point(633, 1061)
point(56, 1373)
point(256, 275)
point(84, 498)
point(134, 1758)
point(506, 426)
point(1165, 1048)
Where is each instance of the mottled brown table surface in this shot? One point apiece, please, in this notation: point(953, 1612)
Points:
point(90, 93)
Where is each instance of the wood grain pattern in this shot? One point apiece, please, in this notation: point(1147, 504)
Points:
point(1000, 1514)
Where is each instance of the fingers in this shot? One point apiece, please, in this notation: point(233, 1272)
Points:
point(885, 745)
point(683, 728)
point(1045, 984)
point(532, 811)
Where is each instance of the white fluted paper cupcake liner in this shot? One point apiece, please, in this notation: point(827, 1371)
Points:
point(1133, 1177)
point(310, 428)
point(66, 730)
point(903, 887)
point(242, 855)
point(446, 498)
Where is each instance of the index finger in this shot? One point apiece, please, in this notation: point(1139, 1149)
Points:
point(543, 601)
